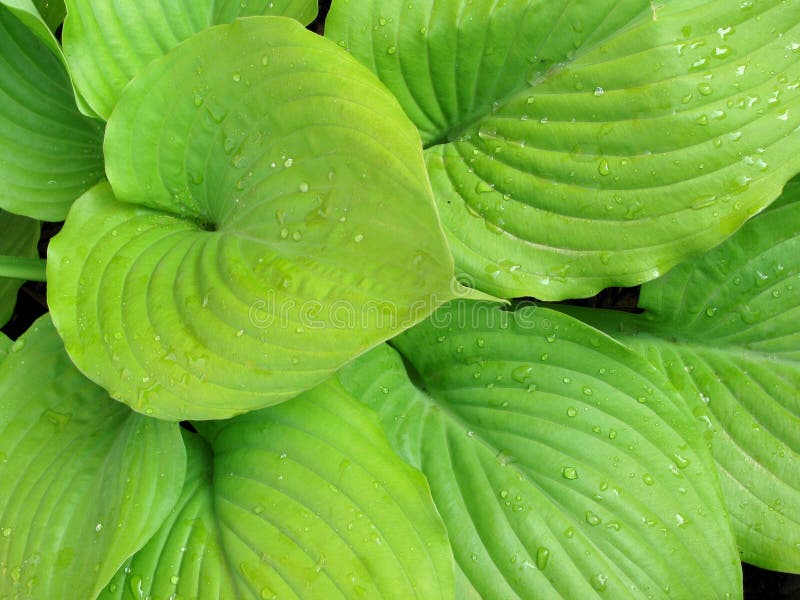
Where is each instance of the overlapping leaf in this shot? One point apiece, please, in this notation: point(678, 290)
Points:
point(577, 145)
point(725, 330)
point(85, 481)
point(52, 11)
point(49, 152)
point(18, 238)
point(108, 42)
point(563, 464)
point(303, 500)
point(29, 13)
point(325, 238)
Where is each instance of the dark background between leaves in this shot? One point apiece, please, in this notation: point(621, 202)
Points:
point(759, 584)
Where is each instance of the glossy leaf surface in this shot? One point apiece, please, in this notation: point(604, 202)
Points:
point(302, 500)
point(577, 145)
point(86, 481)
point(726, 330)
point(49, 152)
point(274, 223)
point(18, 237)
point(108, 42)
point(563, 464)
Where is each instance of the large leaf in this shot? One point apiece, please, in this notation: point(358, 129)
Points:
point(108, 42)
point(49, 152)
point(577, 145)
point(563, 464)
point(18, 237)
point(726, 330)
point(325, 243)
point(85, 481)
point(304, 500)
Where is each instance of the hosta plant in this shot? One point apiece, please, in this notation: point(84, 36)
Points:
point(301, 336)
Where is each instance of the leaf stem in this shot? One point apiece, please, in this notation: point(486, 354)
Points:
point(17, 267)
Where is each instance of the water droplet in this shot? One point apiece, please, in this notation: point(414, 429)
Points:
point(304, 187)
point(237, 77)
point(603, 168)
point(721, 51)
point(705, 201)
point(598, 582)
point(98, 527)
point(705, 88)
point(681, 461)
point(648, 479)
point(484, 187)
point(358, 238)
point(542, 556)
point(572, 412)
point(598, 91)
point(569, 473)
point(288, 162)
point(505, 458)
point(587, 391)
point(391, 50)
point(592, 519)
point(522, 374)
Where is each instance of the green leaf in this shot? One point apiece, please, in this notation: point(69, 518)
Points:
point(18, 237)
point(86, 482)
point(562, 463)
point(325, 238)
point(303, 500)
point(40, 17)
point(576, 145)
point(107, 43)
point(27, 11)
point(52, 12)
point(49, 152)
point(724, 328)
point(5, 345)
